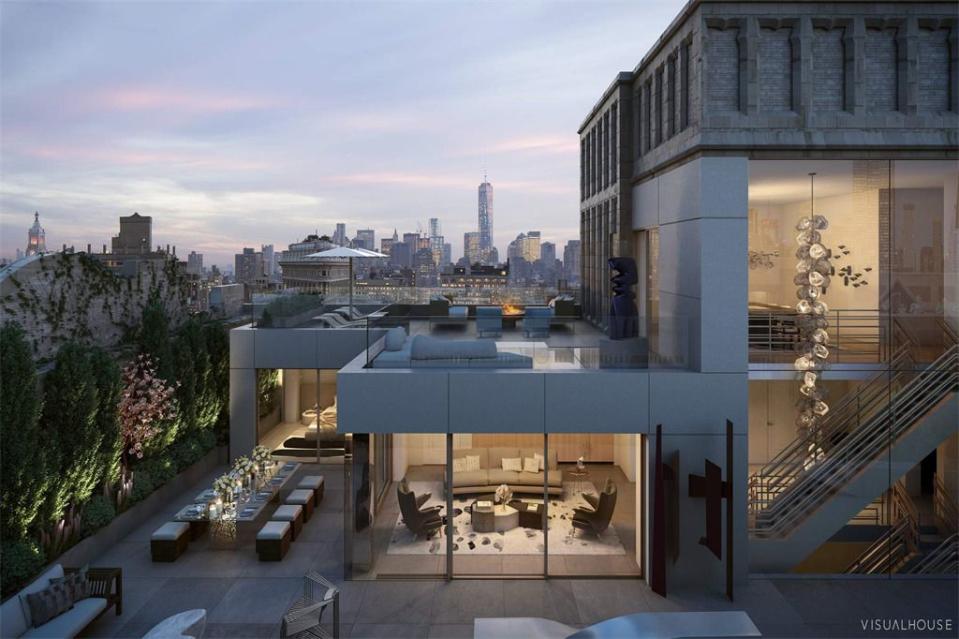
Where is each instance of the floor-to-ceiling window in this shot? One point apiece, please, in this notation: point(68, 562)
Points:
point(296, 414)
point(852, 342)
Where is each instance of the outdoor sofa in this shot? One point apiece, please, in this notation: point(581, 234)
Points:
point(105, 590)
point(423, 351)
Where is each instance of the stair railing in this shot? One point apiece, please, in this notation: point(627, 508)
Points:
point(943, 559)
point(897, 544)
point(816, 482)
point(871, 397)
point(944, 507)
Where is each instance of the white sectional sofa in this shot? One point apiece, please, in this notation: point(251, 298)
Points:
point(423, 351)
point(15, 613)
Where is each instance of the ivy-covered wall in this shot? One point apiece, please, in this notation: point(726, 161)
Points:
point(59, 297)
point(67, 466)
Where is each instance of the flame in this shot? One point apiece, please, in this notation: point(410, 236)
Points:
point(510, 309)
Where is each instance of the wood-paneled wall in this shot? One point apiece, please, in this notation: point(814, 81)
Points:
point(595, 447)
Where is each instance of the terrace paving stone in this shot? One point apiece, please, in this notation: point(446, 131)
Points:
point(254, 601)
point(386, 602)
point(463, 601)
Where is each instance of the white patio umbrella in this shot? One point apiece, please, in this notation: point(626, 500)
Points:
point(350, 253)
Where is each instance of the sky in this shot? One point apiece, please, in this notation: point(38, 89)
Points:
point(246, 123)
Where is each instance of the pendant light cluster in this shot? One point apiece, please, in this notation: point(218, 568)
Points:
point(813, 270)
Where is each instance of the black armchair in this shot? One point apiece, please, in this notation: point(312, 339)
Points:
point(419, 520)
point(596, 520)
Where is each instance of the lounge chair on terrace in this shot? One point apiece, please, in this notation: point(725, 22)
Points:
point(335, 320)
point(489, 321)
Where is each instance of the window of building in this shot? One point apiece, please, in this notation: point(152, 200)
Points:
point(671, 96)
point(684, 86)
point(648, 115)
point(613, 145)
point(659, 106)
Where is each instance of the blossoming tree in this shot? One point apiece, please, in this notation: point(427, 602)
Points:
point(145, 404)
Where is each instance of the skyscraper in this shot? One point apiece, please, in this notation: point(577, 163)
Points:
point(436, 241)
point(485, 218)
point(268, 265)
point(365, 238)
point(471, 247)
point(36, 237)
point(339, 235)
point(194, 264)
point(136, 235)
point(547, 253)
point(571, 259)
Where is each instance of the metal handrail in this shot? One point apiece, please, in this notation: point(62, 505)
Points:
point(894, 548)
point(852, 331)
point(943, 559)
point(834, 468)
point(776, 475)
point(944, 506)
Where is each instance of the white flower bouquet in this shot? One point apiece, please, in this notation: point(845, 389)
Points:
point(261, 455)
point(242, 466)
point(503, 494)
point(224, 485)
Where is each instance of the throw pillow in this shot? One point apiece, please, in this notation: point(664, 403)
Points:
point(472, 462)
point(539, 460)
point(76, 583)
point(513, 463)
point(395, 338)
point(52, 601)
point(530, 465)
point(459, 465)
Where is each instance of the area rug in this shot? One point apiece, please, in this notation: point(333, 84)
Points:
point(518, 541)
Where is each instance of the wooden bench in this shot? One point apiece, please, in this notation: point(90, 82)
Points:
point(292, 513)
point(303, 497)
point(273, 540)
point(314, 483)
point(169, 541)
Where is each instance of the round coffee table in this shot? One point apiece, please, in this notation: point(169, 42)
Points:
point(500, 519)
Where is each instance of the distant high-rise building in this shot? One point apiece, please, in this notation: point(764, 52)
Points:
point(447, 258)
point(413, 239)
point(365, 238)
point(471, 247)
point(386, 244)
point(435, 227)
point(36, 237)
point(194, 264)
point(268, 262)
point(485, 218)
point(531, 247)
point(401, 255)
point(339, 235)
point(571, 259)
point(547, 253)
point(136, 235)
point(424, 268)
point(247, 266)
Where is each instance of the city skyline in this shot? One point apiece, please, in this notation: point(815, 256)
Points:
point(226, 149)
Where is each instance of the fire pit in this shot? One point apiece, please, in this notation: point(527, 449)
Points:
point(512, 310)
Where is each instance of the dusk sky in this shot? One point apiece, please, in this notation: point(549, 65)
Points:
point(248, 123)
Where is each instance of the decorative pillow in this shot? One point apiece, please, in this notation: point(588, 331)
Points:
point(513, 463)
point(539, 461)
point(52, 601)
point(395, 338)
point(530, 465)
point(472, 462)
point(459, 465)
point(76, 583)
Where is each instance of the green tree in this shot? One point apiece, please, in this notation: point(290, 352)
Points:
point(106, 375)
point(154, 339)
point(23, 478)
point(72, 434)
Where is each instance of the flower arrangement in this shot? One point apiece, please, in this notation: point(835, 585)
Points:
point(224, 485)
point(503, 494)
point(261, 455)
point(242, 466)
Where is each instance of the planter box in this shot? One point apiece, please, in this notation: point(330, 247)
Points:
point(126, 522)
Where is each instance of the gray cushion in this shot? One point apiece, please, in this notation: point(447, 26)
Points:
point(470, 478)
point(503, 359)
point(299, 496)
point(273, 530)
point(15, 613)
point(170, 531)
point(426, 347)
point(536, 479)
point(393, 359)
point(70, 623)
point(287, 512)
point(395, 338)
point(311, 482)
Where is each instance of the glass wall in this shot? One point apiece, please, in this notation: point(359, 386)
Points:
point(498, 503)
point(596, 522)
point(852, 341)
point(296, 414)
point(396, 520)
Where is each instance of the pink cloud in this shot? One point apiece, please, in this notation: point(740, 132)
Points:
point(429, 180)
point(559, 144)
point(182, 100)
point(113, 156)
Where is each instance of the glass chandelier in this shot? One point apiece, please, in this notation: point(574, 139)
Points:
point(813, 270)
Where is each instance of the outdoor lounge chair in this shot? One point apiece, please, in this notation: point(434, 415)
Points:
point(304, 617)
point(536, 321)
point(489, 321)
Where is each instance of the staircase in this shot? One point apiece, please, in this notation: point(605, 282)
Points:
point(820, 482)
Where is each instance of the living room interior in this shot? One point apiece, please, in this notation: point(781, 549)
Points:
point(593, 526)
point(296, 414)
